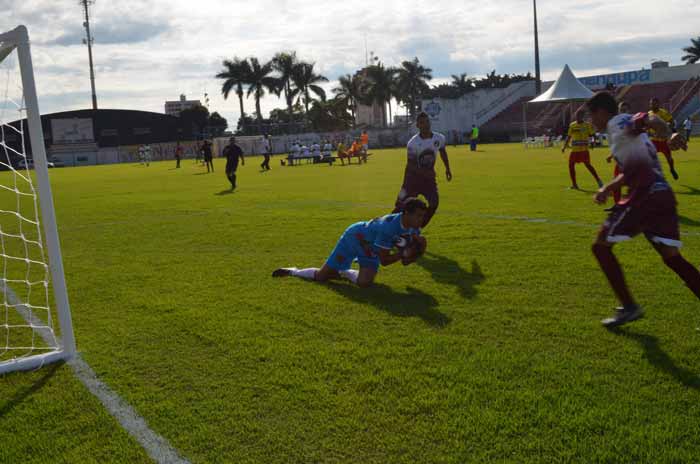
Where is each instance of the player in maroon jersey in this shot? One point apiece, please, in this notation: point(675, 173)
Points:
point(650, 207)
point(419, 177)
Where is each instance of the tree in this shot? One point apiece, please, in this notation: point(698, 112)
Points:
point(284, 63)
point(349, 92)
point(235, 74)
point(693, 52)
point(378, 87)
point(259, 81)
point(462, 83)
point(330, 115)
point(305, 81)
point(217, 124)
point(195, 120)
point(412, 83)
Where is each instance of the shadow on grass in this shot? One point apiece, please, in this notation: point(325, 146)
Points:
point(225, 192)
point(22, 395)
point(413, 303)
point(448, 271)
point(692, 191)
point(686, 221)
point(658, 358)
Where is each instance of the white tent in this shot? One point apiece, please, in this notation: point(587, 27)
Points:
point(567, 88)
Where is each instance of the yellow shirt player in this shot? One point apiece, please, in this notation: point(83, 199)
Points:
point(579, 136)
point(661, 143)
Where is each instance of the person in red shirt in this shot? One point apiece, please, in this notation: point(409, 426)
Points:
point(650, 207)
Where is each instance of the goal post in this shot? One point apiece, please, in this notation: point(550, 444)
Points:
point(28, 338)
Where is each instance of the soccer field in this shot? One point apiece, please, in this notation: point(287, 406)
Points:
point(489, 349)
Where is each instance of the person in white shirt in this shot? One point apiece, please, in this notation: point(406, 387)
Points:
point(688, 126)
point(420, 178)
point(316, 150)
point(327, 149)
point(267, 152)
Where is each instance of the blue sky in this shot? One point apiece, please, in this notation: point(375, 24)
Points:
point(149, 52)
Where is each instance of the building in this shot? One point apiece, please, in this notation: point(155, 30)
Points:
point(369, 116)
point(87, 137)
point(174, 108)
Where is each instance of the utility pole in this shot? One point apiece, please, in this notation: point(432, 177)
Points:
point(89, 41)
point(538, 77)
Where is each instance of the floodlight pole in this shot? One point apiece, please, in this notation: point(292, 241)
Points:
point(538, 78)
point(86, 4)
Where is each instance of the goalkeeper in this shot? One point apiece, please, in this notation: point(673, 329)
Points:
point(371, 244)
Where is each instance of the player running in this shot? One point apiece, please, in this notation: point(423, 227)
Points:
point(579, 136)
point(370, 243)
point(660, 142)
point(233, 154)
point(208, 155)
point(650, 207)
point(419, 177)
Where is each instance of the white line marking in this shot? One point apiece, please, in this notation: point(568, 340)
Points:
point(561, 222)
point(157, 447)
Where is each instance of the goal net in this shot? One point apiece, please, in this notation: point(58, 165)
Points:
point(33, 293)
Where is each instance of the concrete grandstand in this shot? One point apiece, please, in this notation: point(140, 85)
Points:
point(500, 112)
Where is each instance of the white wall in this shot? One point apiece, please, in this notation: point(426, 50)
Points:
point(477, 107)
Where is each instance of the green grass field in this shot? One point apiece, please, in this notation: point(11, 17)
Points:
point(487, 350)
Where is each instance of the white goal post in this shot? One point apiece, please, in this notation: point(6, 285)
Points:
point(31, 262)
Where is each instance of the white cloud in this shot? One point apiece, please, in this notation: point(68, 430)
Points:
point(148, 52)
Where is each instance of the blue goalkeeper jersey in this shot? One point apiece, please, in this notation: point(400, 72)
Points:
point(380, 233)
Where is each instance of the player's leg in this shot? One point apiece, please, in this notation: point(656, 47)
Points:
point(403, 194)
point(363, 278)
point(662, 147)
point(432, 195)
point(572, 170)
point(232, 178)
point(677, 263)
point(662, 229)
point(586, 160)
point(621, 225)
point(339, 261)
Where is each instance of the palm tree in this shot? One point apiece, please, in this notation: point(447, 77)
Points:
point(284, 63)
point(693, 52)
point(412, 82)
point(462, 83)
point(235, 74)
point(260, 80)
point(349, 92)
point(378, 87)
point(305, 81)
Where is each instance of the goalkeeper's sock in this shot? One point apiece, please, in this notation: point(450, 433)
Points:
point(307, 274)
point(351, 275)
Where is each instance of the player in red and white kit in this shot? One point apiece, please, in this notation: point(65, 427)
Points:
point(650, 207)
point(420, 178)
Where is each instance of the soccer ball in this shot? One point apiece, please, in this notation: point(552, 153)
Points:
point(414, 248)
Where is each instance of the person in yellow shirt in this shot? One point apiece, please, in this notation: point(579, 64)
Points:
point(342, 153)
point(661, 143)
point(579, 136)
